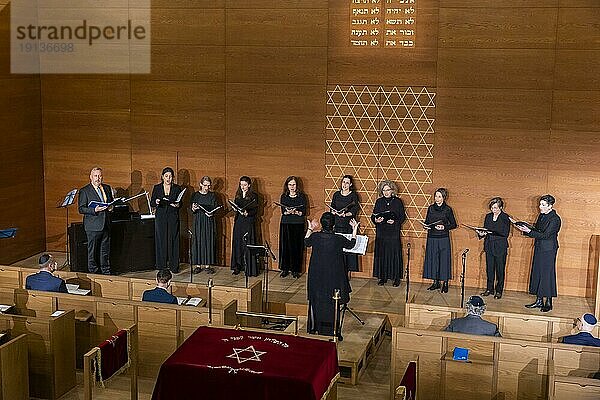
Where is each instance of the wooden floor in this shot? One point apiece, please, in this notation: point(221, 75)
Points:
point(367, 297)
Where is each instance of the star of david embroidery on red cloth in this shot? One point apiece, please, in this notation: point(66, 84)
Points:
point(239, 354)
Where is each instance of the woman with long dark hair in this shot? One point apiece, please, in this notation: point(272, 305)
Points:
point(291, 228)
point(244, 230)
point(438, 252)
point(166, 224)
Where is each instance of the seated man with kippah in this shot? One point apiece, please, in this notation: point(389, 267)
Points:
point(472, 323)
point(585, 325)
point(44, 280)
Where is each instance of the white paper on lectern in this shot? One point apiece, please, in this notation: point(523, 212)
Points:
point(361, 243)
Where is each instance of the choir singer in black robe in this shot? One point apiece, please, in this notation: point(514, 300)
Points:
point(542, 280)
point(244, 230)
point(291, 228)
point(345, 206)
point(388, 216)
point(495, 245)
point(166, 223)
point(204, 243)
point(326, 273)
point(438, 252)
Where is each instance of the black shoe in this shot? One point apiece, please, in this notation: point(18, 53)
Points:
point(210, 270)
point(381, 282)
point(396, 282)
point(444, 287)
point(487, 292)
point(434, 286)
point(283, 274)
point(197, 270)
point(295, 275)
point(340, 338)
point(537, 304)
point(547, 306)
point(236, 271)
point(498, 295)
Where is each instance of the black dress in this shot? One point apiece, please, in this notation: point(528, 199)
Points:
point(438, 252)
point(342, 224)
point(495, 246)
point(204, 243)
point(387, 263)
point(166, 227)
point(542, 281)
point(291, 234)
point(244, 232)
point(326, 273)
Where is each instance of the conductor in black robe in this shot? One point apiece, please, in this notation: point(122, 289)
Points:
point(542, 280)
point(326, 273)
point(204, 244)
point(495, 245)
point(345, 206)
point(388, 216)
point(166, 223)
point(244, 230)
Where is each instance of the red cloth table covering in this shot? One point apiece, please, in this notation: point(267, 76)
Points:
point(113, 355)
point(217, 363)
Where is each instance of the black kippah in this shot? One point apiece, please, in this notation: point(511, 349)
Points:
point(44, 258)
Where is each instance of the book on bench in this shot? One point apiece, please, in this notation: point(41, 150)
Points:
point(191, 301)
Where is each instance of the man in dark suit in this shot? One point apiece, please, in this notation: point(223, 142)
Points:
point(44, 280)
point(96, 221)
point(160, 294)
point(585, 325)
point(472, 323)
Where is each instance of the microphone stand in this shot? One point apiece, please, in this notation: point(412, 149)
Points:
point(245, 258)
point(462, 278)
point(407, 271)
point(68, 200)
point(336, 298)
point(191, 235)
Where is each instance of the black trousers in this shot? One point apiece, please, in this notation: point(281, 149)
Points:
point(98, 245)
point(495, 266)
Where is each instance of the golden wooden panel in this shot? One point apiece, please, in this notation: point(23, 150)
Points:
point(575, 390)
point(275, 27)
point(186, 63)
point(111, 288)
point(274, 4)
point(578, 28)
point(496, 68)
point(418, 342)
point(576, 110)
point(577, 70)
point(289, 65)
point(205, 27)
point(494, 4)
point(499, 108)
point(163, 97)
point(78, 94)
point(497, 27)
point(517, 328)
point(188, 4)
point(114, 315)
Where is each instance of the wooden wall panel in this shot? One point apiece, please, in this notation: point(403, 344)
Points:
point(578, 28)
point(276, 27)
point(21, 149)
point(576, 110)
point(294, 65)
point(499, 108)
point(577, 70)
point(496, 68)
point(506, 27)
point(188, 26)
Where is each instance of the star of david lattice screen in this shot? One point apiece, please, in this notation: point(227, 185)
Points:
point(375, 133)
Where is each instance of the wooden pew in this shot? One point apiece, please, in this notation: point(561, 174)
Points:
point(51, 351)
point(498, 367)
point(11, 277)
point(542, 328)
point(14, 370)
point(161, 327)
